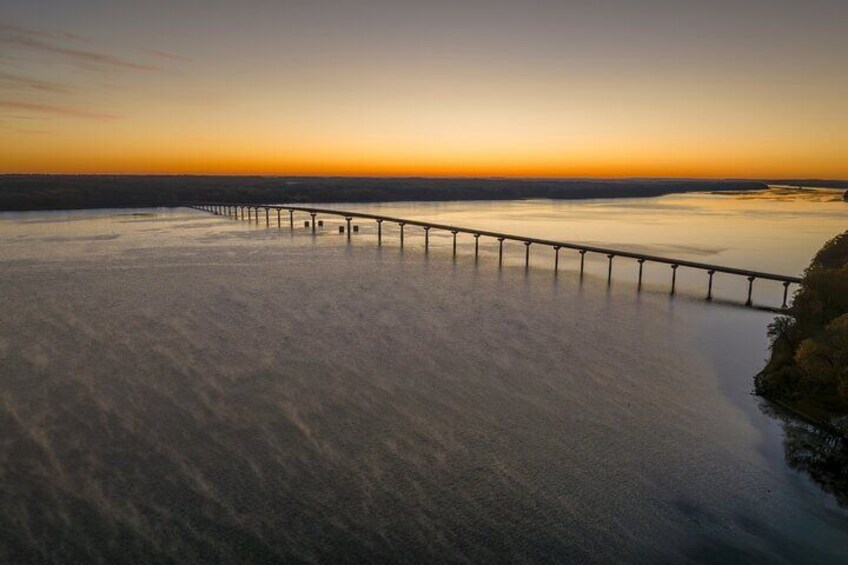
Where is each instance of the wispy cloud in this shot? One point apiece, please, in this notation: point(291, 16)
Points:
point(56, 110)
point(20, 81)
point(167, 55)
point(37, 41)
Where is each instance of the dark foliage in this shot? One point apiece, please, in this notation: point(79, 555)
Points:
point(51, 192)
point(809, 349)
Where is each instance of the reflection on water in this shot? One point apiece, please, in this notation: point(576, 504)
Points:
point(822, 455)
point(181, 387)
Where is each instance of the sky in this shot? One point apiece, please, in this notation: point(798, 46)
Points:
point(752, 89)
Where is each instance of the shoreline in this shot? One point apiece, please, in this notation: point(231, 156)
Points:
point(77, 192)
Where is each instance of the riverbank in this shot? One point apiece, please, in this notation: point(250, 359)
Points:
point(67, 192)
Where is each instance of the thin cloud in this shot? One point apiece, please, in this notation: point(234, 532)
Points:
point(31, 40)
point(167, 55)
point(20, 81)
point(54, 110)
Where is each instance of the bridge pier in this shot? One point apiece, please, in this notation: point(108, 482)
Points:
point(500, 251)
point(641, 265)
point(526, 255)
point(751, 280)
point(348, 219)
point(454, 232)
point(582, 261)
point(267, 220)
point(401, 224)
point(785, 293)
point(313, 214)
point(291, 219)
point(673, 277)
point(609, 269)
point(476, 247)
point(710, 285)
point(426, 239)
point(379, 233)
point(556, 258)
point(279, 223)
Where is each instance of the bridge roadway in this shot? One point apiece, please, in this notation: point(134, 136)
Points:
point(238, 211)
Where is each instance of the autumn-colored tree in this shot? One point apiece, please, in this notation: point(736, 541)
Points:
point(809, 347)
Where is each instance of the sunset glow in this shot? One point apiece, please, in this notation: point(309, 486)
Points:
point(467, 88)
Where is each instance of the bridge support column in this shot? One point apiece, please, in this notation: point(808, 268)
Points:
point(267, 218)
point(454, 232)
point(785, 293)
point(500, 251)
point(673, 277)
point(426, 239)
point(348, 219)
point(279, 222)
point(476, 247)
point(641, 265)
point(609, 269)
point(313, 214)
point(526, 255)
point(291, 219)
point(710, 285)
point(556, 258)
point(582, 261)
point(379, 233)
point(750, 290)
point(401, 224)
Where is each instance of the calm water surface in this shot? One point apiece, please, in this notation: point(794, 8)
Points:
point(178, 387)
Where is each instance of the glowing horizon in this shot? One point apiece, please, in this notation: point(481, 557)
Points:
point(380, 88)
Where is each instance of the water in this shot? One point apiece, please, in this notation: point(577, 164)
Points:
point(181, 387)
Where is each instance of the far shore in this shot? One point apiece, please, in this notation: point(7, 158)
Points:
point(19, 192)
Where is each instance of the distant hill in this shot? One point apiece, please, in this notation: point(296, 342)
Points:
point(51, 192)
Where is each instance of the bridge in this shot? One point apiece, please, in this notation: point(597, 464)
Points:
point(252, 213)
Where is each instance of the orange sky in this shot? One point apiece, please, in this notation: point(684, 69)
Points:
point(438, 90)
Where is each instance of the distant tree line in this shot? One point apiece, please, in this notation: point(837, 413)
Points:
point(808, 368)
point(50, 192)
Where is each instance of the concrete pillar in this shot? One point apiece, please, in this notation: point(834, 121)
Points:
point(379, 232)
point(279, 222)
point(401, 224)
point(582, 261)
point(348, 219)
point(500, 251)
point(710, 285)
point(785, 292)
point(426, 239)
point(556, 258)
point(750, 290)
point(267, 220)
point(313, 214)
point(476, 246)
point(454, 232)
point(641, 265)
point(609, 269)
point(673, 277)
point(291, 218)
point(527, 254)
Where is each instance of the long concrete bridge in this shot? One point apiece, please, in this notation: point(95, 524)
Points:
point(252, 212)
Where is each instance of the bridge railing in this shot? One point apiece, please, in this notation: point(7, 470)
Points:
point(252, 211)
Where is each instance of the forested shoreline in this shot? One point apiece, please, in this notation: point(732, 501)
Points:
point(56, 192)
point(808, 367)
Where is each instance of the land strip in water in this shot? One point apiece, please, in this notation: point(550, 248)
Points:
point(64, 192)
